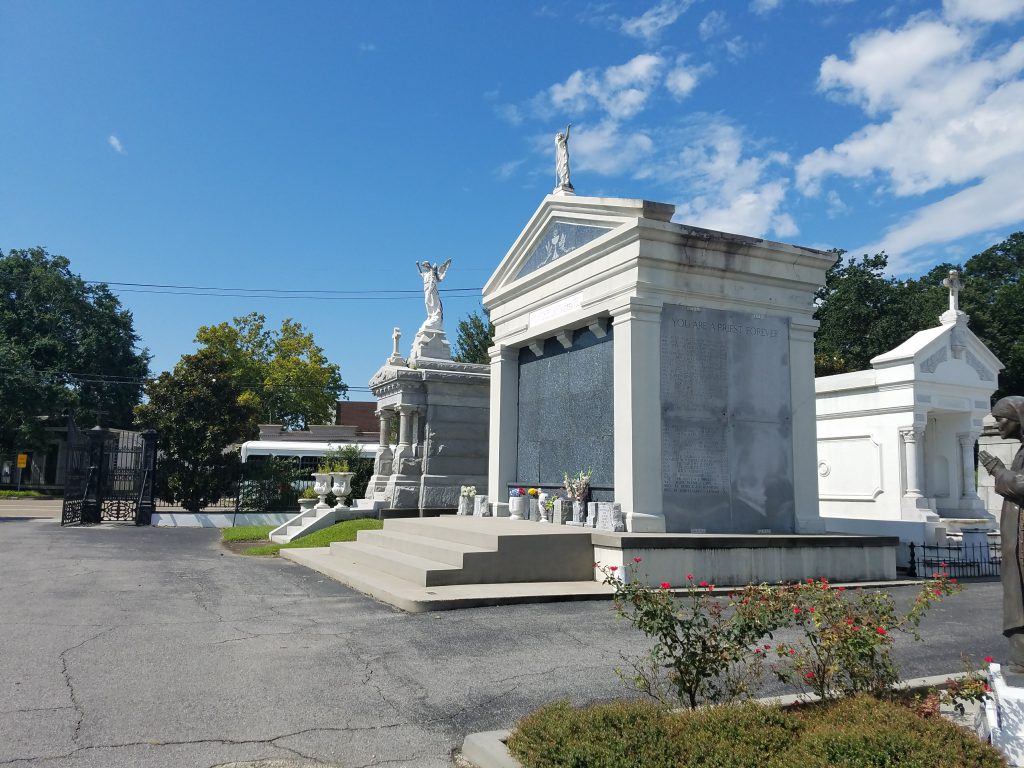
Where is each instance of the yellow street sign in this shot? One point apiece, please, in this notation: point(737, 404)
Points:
point(22, 460)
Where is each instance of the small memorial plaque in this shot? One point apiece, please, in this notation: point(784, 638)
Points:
point(480, 506)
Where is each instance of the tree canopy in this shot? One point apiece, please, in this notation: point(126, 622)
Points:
point(198, 410)
point(286, 376)
point(475, 336)
point(864, 313)
point(66, 347)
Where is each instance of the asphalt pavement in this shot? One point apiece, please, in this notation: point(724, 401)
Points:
point(153, 647)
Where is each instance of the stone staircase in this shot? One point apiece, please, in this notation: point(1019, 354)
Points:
point(306, 523)
point(412, 561)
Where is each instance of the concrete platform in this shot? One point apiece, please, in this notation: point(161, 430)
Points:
point(454, 562)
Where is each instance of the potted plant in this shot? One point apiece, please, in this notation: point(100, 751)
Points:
point(517, 504)
point(341, 478)
point(322, 484)
point(578, 488)
point(308, 499)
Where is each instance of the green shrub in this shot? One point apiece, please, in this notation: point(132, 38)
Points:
point(616, 735)
point(858, 732)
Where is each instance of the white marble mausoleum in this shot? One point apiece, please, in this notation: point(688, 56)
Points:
point(676, 362)
point(896, 442)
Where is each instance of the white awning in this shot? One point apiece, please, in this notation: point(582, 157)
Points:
point(300, 448)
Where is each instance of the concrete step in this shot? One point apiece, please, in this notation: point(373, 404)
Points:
point(337, 564)
point(450, 552)
point(485, 537)
point(420, 571)
point(279, 538)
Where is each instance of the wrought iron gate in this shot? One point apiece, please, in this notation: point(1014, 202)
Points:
point(109, 477)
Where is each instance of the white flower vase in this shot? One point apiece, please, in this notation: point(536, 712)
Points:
point(533, 507)
point(342, 484)
point(516, 507)
point(322, 486)
point(465, 505)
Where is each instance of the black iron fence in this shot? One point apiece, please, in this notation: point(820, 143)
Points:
point(108, 476)
point(958, 560)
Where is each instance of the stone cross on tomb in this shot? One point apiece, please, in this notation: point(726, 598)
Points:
point(953, 283)
point(395, 336)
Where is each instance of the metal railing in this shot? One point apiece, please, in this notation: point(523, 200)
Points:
point(957, 560)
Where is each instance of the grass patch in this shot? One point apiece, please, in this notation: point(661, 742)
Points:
point(860, 732)
point(22, 495)
point(247, 532)
point(345, 531)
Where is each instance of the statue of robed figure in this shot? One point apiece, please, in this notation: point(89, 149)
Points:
point(562, 183)
point(432, 275)
point(1009, 483)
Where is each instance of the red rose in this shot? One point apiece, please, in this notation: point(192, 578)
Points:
point(666, 585)
point(988, 659)
point(880, 630)
point(613, 567)
point(689, 577)
point(637, 559)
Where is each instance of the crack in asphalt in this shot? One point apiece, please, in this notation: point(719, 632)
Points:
point(66, 673)
point(229, 742)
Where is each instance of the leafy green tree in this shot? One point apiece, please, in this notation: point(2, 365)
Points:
point(66, 346)
point(993, 296)
point(864, 313)
point(288, 378)
point(198, 410)
point(475, 336)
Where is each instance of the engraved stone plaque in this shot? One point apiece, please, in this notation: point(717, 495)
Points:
point(727, 441)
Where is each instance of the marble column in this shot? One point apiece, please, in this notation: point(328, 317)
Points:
point(967, 440)
point(503, 440)
point(404, 448)
point(383, 461)
point(637, 416)
point(913, 450)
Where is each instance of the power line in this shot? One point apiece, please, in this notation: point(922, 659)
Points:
point(269, 290)
point(280, 293)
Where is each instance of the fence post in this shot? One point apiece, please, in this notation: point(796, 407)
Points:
point(146, 508)
point(92, 503)
point(912, 571)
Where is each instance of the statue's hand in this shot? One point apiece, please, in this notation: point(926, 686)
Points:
point(990, 462)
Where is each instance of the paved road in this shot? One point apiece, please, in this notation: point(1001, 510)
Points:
point(147, 647)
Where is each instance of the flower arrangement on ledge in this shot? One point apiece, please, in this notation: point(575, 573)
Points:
point(578, 485)
point(515, 493)
point(467, 491)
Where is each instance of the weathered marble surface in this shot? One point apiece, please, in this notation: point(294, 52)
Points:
point(727, 442)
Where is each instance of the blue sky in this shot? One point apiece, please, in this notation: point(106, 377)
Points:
point(327, 146)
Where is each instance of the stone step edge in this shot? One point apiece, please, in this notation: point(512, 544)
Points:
point(411, 598)
point(486, 749)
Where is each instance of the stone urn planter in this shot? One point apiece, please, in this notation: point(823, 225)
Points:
point(306, 505)
point(517, 508)
point(341, 485)
point(322, 486)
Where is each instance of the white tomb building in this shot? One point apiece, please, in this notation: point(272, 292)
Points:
point(896, 442)
point(675, 362)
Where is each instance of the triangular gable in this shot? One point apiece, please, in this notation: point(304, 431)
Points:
point(930, 348)
point(565, 225)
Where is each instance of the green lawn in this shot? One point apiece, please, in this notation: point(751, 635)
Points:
point(345, 531)
point(247, 532)
point(22, 495)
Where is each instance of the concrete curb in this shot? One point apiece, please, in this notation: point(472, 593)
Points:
point(487, 749)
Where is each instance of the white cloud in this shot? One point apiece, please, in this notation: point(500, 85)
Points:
point(764, 6)
point(947, 114)
point(649, 25)
point(682, 79)
point(510, 113)
point(115, 144)
point(508, 170)
point(729, 189)
point(885, 64)
point(711, 25)
point(737, 47)
point(982, 10)
point(367, 47)
point(836, 206)
point(607, 150)
point(622, 90)
point(995, 202)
